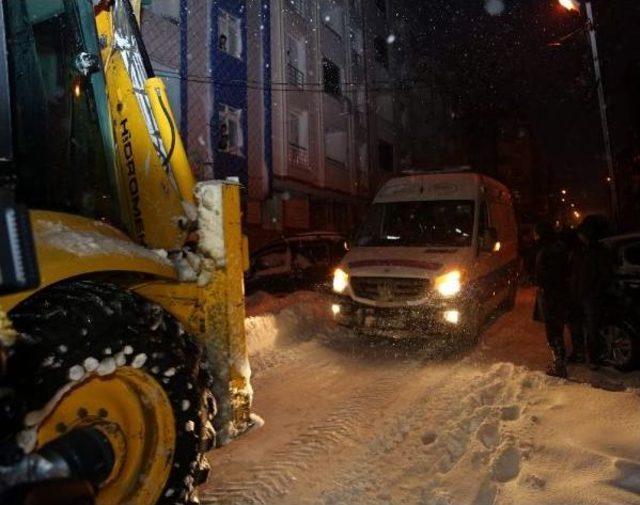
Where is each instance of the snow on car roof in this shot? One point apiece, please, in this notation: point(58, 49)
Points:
point(304, 237)
point(316, 234)
point(619, 238)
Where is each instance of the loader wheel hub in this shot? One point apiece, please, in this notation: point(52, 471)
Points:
point(135, 414)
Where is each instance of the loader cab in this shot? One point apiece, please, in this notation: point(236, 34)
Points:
point(54, 112)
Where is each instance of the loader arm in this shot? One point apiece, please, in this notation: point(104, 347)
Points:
point(152, 170)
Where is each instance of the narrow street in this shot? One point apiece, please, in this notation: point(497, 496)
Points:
point(349, 421)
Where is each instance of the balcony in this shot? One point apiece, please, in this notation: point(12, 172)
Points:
point(295, 76)
point(298, 157)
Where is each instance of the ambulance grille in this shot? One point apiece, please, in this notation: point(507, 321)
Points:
point(389, 289)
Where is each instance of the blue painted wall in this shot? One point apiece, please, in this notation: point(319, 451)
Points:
point(229, 80)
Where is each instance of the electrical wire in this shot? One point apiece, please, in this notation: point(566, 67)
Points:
point(308, 87)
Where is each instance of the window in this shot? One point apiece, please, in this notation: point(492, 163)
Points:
point(168, 9)
point(382, 5)
point(335, 144)
point(299, 6)
point(331, 77)
point(384, 107)
point(363, 157)
point(229, 34)
point(446, 223)
point(381, 51)
point(483, 220)
point(65, 169)
point(385, 156)
point(632, 255)
point(230, 135)
point(273, 260)
point(309, 254)
point(332, 16)
point(299, 129)
point(357, 42)
point(296, 61)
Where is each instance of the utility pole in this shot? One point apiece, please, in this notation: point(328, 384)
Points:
point(366, 97)
point(611, 179)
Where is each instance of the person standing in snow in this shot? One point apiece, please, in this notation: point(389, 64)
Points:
point(593, 274)
point(575, 316)
point(552, 279)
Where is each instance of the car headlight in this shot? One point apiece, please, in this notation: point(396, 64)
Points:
point(449, 284)
point(340, 280)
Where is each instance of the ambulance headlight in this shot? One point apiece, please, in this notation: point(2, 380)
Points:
point(449, 284)
point(340, 281)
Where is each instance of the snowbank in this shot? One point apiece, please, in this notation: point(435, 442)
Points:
point(275, 320)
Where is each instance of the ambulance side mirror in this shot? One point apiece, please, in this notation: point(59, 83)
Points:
point(350, 241)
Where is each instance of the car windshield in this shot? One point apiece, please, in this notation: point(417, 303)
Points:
point(418, 224)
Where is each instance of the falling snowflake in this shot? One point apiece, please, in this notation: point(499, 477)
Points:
point(494, 7)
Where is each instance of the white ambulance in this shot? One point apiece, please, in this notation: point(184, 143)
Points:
point(436, 253)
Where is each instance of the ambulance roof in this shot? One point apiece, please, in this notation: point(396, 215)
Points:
point(439, 186)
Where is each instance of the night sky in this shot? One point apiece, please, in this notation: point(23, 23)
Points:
point(518, 65)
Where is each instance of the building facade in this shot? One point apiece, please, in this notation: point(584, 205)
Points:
point(205, 51)
point(335, 125)
point(302, 100)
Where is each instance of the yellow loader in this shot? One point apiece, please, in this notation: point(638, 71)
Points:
point(120, 368)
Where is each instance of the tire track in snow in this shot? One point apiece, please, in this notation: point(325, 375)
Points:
point(462, 407)
point(279, 473)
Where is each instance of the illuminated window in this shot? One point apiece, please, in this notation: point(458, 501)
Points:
point(229, 34)
point(230, 134)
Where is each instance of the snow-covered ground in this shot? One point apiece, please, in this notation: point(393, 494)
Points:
point(354, 421)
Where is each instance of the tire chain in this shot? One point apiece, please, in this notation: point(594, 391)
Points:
point(56, 334)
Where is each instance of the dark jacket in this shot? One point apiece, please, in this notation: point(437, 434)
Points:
point(591, 273)
point(552, 279)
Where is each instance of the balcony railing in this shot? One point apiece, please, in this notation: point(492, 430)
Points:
point(298, 157)
point(295, 76)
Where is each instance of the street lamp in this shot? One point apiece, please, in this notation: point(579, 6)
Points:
point(570, 5)
point(574, 5)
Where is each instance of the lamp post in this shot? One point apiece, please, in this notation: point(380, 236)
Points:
point(574, 5)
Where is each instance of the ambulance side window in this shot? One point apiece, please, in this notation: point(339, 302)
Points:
point(483, 220)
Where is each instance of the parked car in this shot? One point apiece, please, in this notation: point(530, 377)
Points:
point(620, 331)
point(303, 261)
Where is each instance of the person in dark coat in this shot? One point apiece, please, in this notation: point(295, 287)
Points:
point(575, 316)
point(593, 275)
point(552, 279)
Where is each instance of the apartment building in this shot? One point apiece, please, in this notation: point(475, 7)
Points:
point(326, 121)
point(205, 50)
point(295, 98)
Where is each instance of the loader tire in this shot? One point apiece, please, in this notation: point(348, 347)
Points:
point(68, 330)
